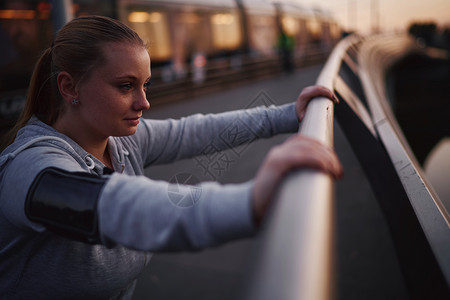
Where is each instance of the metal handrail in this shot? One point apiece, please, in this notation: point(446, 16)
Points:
point(296, 259)
point(376, 57)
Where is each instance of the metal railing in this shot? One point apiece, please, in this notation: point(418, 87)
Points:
point(296, 260)
point(431, 239)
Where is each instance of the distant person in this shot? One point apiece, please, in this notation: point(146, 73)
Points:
point(286, 44)
point(78, 220)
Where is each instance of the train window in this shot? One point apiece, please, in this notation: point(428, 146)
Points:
point(152, 27)
point(290, 25)
point(302, 39)
point(25, 31)
point(191, 32)
point(335, 31)
point(263, 33)
point(188, 18)
point(225, 31)
point(97, 7)
point(315, 30)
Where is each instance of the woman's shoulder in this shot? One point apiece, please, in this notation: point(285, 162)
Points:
point(19, 168)
point(37, 147)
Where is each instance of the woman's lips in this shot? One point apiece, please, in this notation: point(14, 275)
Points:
point(132, 121)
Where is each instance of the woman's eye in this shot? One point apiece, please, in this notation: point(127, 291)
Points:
point(126, 86)
point(146, 85)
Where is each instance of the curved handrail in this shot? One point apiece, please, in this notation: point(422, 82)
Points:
point(377, 56)
point(296, 259)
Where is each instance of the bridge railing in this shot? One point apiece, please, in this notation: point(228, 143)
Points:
point(297, 251)
point(296, 260)
point(418, 219)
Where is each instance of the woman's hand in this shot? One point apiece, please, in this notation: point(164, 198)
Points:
point(308, 94)
point(295, 153)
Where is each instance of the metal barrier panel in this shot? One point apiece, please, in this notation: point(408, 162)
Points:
point(426, 258)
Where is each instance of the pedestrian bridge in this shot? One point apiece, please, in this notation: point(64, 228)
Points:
point(296, 254)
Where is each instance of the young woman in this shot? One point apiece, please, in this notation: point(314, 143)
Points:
point(77, 218)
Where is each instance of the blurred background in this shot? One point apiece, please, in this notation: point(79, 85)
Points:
point(202, 46)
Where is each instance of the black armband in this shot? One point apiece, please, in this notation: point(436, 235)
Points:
point(66, 203)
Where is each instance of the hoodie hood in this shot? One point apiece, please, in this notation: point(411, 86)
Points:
point(36, 134)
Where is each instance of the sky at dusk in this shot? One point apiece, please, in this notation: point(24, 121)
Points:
point(392, 14)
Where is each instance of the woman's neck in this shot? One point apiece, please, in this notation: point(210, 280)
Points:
point(97, 146)
point(98, 150)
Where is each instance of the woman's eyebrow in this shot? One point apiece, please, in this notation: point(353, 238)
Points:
point(126, 76)
point(130, 77)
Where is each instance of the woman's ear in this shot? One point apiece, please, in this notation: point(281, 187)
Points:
point(67, 87)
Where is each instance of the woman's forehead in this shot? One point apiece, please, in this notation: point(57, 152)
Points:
point(125, 57)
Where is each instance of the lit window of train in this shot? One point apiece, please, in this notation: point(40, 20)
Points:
point(262, 33)
point(314, 29)
point(335, 31)
point(290, 25)
point(191, 33)
point(25, 30)
point(262, 26)
point(225, 31)
point(153, 29)
point(25, 14)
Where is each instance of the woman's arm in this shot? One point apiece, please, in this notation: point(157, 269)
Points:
point(153, 215)
point(167, 140)
point(156, 216)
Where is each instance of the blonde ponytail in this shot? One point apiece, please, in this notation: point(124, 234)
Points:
point(41, 97)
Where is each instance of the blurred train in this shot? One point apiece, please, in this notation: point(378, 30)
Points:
point(185, 37)
point(178, 30)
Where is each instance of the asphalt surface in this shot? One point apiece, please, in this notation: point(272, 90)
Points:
point(366, 266)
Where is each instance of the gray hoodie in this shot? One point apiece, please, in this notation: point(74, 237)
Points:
point(134, 213)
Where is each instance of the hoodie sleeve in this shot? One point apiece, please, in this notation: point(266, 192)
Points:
point(19, 175)
point(168, 140)
point(150, 215)
point(137, 212)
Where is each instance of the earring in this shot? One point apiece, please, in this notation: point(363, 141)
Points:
point(75, 101)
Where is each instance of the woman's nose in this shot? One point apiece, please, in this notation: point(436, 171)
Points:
point(141, 102)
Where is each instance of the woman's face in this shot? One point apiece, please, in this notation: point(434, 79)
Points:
point(113, 96)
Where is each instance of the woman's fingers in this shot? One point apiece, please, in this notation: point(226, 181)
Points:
point(308, 94)
point(318, 91)
point(301, 151)
point(298, 152)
